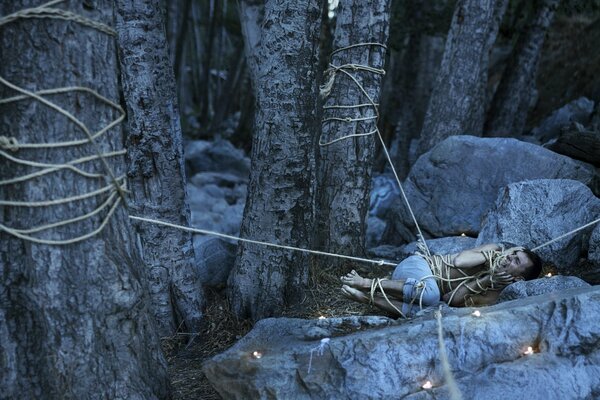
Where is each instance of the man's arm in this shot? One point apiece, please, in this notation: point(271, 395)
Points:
point(483, 299)
point(458, 296)
point(473, 257)
point(479, 291)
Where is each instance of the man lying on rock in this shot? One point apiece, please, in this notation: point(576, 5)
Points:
point(472, 277)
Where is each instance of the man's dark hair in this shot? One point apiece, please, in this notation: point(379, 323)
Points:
point(533, 271)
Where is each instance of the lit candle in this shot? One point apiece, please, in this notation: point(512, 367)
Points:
point(462, 234)
point(529, 350)
point(427, 385)
point(549, 274)
point(256, 354)
point(321, 317)
point(476, 313)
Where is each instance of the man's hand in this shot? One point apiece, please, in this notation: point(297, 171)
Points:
point(501, 279)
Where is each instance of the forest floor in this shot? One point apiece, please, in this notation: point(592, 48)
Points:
point(221, 328)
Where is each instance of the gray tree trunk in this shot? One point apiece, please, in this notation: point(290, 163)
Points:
point(156, 169)
point(74, 319)
point(280, 204)
point(412, 72)
point(344, 179)
point(512, 100)
point(457, 103)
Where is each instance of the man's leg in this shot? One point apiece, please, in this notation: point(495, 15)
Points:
point(392, 306)
point(392, 288)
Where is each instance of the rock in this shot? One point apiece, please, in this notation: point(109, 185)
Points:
point(446, 245)
point(579, 111)
point(384, 197)
point(452, 186)
point(594, 250)
point(218, 156)
point(279, 360)
point(217, 201)
point(387, 252)
point(534, 212)
point(214, 260)
point(536, 287)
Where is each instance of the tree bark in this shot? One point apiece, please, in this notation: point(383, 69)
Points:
point(156, 169)
point(411, 74)
point(457, 103)
point(280, 198)
point(345, 167)
point(512, 100)
point(74, 319)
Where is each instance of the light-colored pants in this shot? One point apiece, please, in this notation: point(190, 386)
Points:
point(418, 290)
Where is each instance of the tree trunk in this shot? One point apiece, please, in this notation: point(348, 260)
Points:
point(280, 198)
point(457, 103)
point(156, 169)
point(74, 319)
point(411, 74)
point(512, 101)
point(345, 166)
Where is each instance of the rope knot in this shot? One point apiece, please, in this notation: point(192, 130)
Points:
point(10, 143)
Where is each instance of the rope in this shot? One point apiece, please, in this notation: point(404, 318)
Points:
point(331, 72)
point(376, 283)
point(269, 244)
point(12, 144)
point(44, 11)
point(448, 376)
point(566, 234)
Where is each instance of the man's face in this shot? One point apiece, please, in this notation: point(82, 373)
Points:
point(516, 264)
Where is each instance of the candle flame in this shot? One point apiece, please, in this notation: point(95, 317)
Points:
point(256, 354)
point(529, 350)
point(321, 317)
point(549, 274)
point(427, 385)
point(476, 313)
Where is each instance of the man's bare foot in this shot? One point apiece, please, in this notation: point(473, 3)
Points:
point(355, 294)
point(356, 281)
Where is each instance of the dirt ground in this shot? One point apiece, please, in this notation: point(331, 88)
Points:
point(222, 330)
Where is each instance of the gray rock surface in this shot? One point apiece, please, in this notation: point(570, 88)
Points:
point(217, 201)
point(534, 212)
point(218, 156)
point(385, 359)
point(594, 246)
point(214, 260)
point(453, 185)
point(579, 110)
point(536, 287)
point(384, 197)
point(446, 245)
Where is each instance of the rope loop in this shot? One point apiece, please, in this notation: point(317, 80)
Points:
point(9, 143)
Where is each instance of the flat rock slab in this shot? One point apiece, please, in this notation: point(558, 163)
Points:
point(379, 358)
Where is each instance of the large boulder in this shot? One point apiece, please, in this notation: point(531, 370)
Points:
point(537, 287)
point(532, 213)
point(345, 359)
point(577, 111)
point(454, 184)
